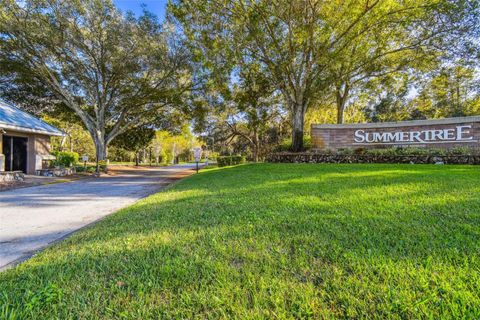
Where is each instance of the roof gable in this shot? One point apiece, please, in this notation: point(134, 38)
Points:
point(13, 118)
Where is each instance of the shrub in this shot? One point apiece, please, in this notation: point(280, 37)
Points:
point(416, 151)
point(461, 151)
point(212, 155)
point(346, 151)
point(89, 169)
point(360, 150)
point(382, 152)
point(223, 161)
point(65, 158)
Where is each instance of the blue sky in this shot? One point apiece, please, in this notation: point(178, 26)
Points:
point(158, 7)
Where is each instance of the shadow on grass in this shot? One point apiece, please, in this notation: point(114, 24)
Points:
point(349, 240)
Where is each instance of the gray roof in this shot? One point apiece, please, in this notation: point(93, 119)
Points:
point(12, 118)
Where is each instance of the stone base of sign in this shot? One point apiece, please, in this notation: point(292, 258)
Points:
point(357, 158)
point(9, 176)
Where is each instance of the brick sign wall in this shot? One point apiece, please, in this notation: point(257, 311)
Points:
point(439, 133)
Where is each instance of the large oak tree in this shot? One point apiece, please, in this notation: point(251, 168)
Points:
point(112, 70)
point(305, 46)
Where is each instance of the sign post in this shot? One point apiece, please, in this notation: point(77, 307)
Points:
point(85, 159)
point(197, 153)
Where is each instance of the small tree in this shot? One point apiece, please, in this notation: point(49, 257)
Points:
point(256, 105)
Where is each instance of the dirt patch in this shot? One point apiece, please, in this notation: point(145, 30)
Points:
point(13, 185)
point(31, 180)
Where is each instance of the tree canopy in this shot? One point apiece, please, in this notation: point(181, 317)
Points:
point(309, 48)
point(243, 74)
point(112, 70)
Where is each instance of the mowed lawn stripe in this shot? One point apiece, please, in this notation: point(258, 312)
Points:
point(271, 241)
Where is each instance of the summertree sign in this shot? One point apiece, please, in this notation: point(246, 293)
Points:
point(438, 133)
point(456, 134)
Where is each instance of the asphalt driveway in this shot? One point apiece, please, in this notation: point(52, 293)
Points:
point(31, 218)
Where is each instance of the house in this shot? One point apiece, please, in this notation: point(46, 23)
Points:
point(24, 140)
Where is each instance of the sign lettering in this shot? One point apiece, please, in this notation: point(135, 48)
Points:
point(457, 134)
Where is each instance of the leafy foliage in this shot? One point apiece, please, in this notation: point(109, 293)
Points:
point(224, 161)
point(168, 146)
point(77, 138)
point(113, 71)
point(310, 50)
point(135, 139)
point(65, 158)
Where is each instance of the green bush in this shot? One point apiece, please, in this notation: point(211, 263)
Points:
point(89, 169)
point(462, 151)
point(346, 151)
point(65, 158)
point(212, 155)
point(223, 161)
point(410, 151)
point(382, 152)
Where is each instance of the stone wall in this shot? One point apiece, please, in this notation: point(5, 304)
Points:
point(11, 176)
point(365, 158)
point(56, 172)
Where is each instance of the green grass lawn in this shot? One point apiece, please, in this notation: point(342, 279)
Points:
point(271, 241)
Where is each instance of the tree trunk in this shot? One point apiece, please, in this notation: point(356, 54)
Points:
point(101, 152)
point(255, 153)
point(340, 110)
point(255, 146)
point(62, 143)
point(136, 159)
point(341, 99)
point(298, 124)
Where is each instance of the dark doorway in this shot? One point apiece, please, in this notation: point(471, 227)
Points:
point(15, 151)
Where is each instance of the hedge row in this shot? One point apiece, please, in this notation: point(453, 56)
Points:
point(370, 158)
point(406, 151)
point(223, 161)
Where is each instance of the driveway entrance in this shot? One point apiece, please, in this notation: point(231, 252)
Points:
point(31, 218)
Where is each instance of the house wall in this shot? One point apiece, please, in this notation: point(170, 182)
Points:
point(439, 133)
point(38, 145)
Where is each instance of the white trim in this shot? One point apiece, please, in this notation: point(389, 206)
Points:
point(412, 123)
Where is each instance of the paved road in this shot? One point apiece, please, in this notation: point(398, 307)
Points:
point(31, 218)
